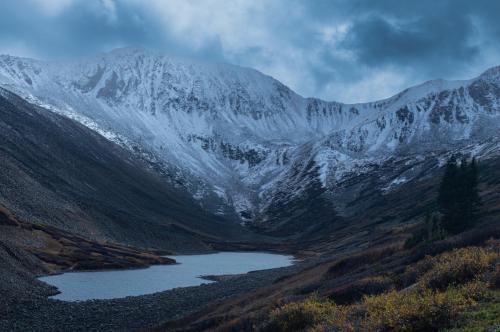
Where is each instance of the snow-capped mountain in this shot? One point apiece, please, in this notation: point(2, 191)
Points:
point(241, 141)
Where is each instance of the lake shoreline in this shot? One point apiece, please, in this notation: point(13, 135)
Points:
point(138, 312)
point(191, 270)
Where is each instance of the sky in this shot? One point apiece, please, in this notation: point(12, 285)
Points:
point(343, 50)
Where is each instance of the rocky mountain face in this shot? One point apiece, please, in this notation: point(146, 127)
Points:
point(56, 172)
point(245, 146)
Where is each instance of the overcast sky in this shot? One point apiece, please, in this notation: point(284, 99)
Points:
point(343, 50)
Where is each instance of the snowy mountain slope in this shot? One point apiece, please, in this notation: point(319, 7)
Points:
point(57, 172)
point(238, 139)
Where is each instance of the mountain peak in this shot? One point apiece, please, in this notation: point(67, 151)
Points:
point(129, 50)
point(491, 73)
point(234, 127)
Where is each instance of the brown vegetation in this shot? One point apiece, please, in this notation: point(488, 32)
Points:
point(445, 287)
point(60, 250)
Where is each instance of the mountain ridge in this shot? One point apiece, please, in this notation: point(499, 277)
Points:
point(60, 173)
point(234, 136)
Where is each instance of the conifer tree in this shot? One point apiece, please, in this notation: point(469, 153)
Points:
point(447, 191)
point(458, 195)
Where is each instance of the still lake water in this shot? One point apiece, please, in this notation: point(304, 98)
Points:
point(80, 286)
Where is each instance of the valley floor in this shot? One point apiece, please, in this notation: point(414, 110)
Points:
point(29, 310)
point(380, 226)
point(30, 250)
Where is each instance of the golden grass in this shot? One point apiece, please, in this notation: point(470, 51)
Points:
point(446, 286)
point(455, 267)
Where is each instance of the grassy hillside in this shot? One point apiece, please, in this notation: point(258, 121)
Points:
point(458, 288)
point(446, 284)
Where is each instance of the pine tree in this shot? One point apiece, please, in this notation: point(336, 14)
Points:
point(447, 193)
point(471, 194)
point(458, 195)
point(473, 183)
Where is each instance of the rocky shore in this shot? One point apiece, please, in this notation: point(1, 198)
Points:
point(29, 250)
point(31, 310)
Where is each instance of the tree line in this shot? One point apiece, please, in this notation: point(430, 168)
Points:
point(458, 197)
point(457, 203)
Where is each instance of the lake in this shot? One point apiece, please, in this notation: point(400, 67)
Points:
point(80, 286)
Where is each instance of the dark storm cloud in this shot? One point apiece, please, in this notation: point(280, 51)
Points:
point(83, 28)
point(423, 42)
point(420, 40)
point(336, 49)
point(429, 36)
point(86, 27)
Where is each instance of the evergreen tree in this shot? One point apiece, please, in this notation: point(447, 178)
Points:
point(458, 195)
point(447, 191)
point(473, 183)
point(436, 229)
point(431, 231)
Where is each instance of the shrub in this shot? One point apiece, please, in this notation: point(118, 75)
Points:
point(366, 286)
point(495, 279)
point(301, 316)
point(447, 286)
point(451, 268)
point(415, 271)
point(426, 310)
point(485, 318)
point(458, 267)
point(422, 310)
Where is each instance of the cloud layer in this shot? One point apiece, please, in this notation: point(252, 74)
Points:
point(344, 50)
